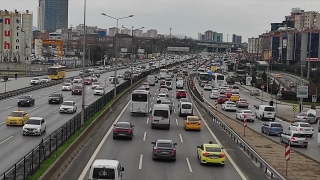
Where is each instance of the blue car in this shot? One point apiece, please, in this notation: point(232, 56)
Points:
point(272, 128)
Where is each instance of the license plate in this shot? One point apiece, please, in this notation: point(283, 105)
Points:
point(156, 120)
point(213, 157)
point(269, 113)
point(164, 153)
point(53, 100)
point(121, 134)
point(12, 122)
point(307, 129)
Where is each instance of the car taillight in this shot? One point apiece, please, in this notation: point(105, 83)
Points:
point(270, 128)
point(304, 118)
point(173, 151)
point(306, 139)
point(293, 139)
point(155, 149)
point(205, 154)
point(115, 130)
point(152, 119)
point(127, 130)
point(187, 123)
point(222, 155)
point(301, 129)
point(199, 123)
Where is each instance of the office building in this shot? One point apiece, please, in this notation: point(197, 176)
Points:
point(126, 31)
point(209, 35)
point(218, 37)
point(236, 39)
point(152, 33)
point(254, 45)
point(305, 20)
point(55, 14)
point(200, 36)
point(113, 31)
point(137, 33)
point(41, 15)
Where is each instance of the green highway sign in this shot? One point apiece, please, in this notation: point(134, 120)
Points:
point(302, 91)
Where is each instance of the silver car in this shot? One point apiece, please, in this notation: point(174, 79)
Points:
point(302, 127)
point(308, 117)
point(242, 103)
point(294, 138)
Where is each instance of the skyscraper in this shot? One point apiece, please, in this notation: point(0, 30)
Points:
point(55, 14)
point(41, 15)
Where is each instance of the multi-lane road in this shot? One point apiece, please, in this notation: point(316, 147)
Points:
point(13, 146)
point(313, 147)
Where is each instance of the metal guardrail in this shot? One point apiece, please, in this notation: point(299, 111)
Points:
point(52, 83)
point(263, 164)
point(28, 165)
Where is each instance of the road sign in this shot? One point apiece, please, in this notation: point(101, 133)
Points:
point(314, 98)
point(244, 120)
point(287, 152)
point(302, 91)
point(294, 108)
point(201, 93)
point(262, 86)
point(216, 104)
point(279, 93)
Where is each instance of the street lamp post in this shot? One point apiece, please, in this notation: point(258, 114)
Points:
point(116, 48)
point(83, 64)
point(132, 49)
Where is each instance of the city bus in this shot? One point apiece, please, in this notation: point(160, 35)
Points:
point(140, 102)
point(218, 80)
point(57, 72)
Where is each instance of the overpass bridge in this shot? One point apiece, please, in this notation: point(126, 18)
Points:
point(219, 46)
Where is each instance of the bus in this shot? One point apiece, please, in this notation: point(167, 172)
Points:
point(203, 76)
point(57, 72)
point(200, 70)
point(218, 80)
point(163, 73)
point(140, 102)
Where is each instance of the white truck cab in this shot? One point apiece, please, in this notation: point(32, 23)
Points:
point(106, 169)
point(265, 112)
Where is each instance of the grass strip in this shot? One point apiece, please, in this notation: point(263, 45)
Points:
point(55, 155)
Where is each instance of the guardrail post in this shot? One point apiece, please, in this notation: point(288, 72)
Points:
point(24, 167)
point(32, 158)
point(15, 171)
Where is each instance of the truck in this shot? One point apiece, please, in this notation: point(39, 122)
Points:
point(163, 73)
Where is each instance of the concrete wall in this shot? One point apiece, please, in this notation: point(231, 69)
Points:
point(304, 46)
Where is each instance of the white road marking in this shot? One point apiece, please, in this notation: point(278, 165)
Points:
point(39, 97)
point(56, 111)
point(46, 94)
point(147, 120)
point(8, 107)
point(172, 104)
point(3, 122)
point(225, 151)
point(177, 122)
point(32, 109)
point(181, 138)
point(152, 97)
point(94, 155)
point(5, 139)
point(189, 165)
point(140, 161)
point(151, 103)
point(144, 136)
point(174, 111)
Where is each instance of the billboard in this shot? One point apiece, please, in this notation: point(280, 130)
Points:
point(178, 49)
point(140, 51)
point(124, 50)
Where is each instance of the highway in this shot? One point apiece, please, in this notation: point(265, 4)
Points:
point(313, 147)
point(13, 146)
point(136, 155)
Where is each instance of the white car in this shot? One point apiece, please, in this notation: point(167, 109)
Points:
point(168, 78)
point(214, 95)
point(207, 87)
point(241, 113)
point(93, 78)
point(146, 86)
point(68, 107)
point(95, 85)
point(229, 106)
point(120, 76)
point(34, 126)
point(302, 127)
point(77, 80)
point(164, 91)
point(161, 97)
point(35, 81)
point(100, 68)
point(99, 91)
point(66, 87)
point(215, 90)
point(111, 77)
point(108, 67)
point(45, 80)
point(181, 100)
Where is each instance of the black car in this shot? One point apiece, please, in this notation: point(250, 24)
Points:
point(123, 130)
point(97, 75)
point(26, 101)
point(164, 149)
point(55, 98)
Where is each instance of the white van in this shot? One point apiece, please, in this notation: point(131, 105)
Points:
point(105, 169)
point(265, 112)
point(185, 109)
point(151, 80)
point(160, 116)
point(179, 84)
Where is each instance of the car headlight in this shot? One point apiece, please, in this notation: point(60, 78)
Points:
point(38, 128)
point(28, 101)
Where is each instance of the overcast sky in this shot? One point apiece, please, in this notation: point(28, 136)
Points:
point(248, 18)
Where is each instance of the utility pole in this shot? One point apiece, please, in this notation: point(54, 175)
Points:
point(309, 52)
point(83, 65)
point(131, 54)
point(301, 83)
point(170, 32)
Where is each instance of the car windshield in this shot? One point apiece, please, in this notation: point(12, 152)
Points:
point(165, 102)
point(161, 113)
point(33, 122)
point(54, 95)
point(213, 149)
point(270, 109)
point(215, 89)
point(87, 79)
point(184, 100)
point(243, 100)
point(186, 106)
point(35, 78)
point(77, 87)
point(99, 88)
point(45, 78)
point(247, 112)
point(24, 97)
point(299, 135)
point(276, 125)
point(162, 95)
point(67, 84)
point(164, 144)
point(125, 125)
point(67, 103)
point(302, 114)
point(103, 173)
point(230, 103)
point(16, 114)
point(193, 119)
point(181, 91)
point(96, 83)
point(305, 125)
point(223, 96)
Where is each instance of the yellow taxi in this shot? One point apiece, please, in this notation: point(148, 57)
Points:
point(234, 97)
point(278, 76)
point(17, 118)
point(192, 123)
point(211, 154)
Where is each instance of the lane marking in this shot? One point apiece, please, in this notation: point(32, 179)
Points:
point(225, 151)
point(144, 136)
point(181, 138)
point(147, 120)
point(94, 155)
point(8, 107)
point(39, 97)
point(140, 161)
point(56, 111)
point(151, 103)
point(174, 110)
point(189, 165)
point(3, 122)
point(177, 122)
point(32, 109)
point(152, 97)
point(6, 139)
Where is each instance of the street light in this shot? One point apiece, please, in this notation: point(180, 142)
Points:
point(132, 49)
point(116, 47)
point(83, 64)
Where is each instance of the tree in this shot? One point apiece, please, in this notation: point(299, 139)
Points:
point(96, 54)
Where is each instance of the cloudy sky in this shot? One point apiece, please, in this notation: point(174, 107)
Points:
point(248, 18)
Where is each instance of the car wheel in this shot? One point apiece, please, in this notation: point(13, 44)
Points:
point(113, 137)
point(281, 140)
point(262, 131)
point(269, 133)
point(40, 133)
point(45, 130)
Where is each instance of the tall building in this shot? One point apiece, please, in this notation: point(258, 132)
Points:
point(209, 35)
point(218, 37)
point(41, 15)
point(305, 20)
point(113, 31)
point(137, 33)
point(55, 14)
point(254, 45)
point(126, 31)
point(236, 39)
point(152, 33)
point(200, 36)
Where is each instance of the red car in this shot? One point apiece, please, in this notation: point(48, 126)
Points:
point(222, 99)
point(87, 82)
point(228, 93)
point(181, 94)
point(76, 90)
